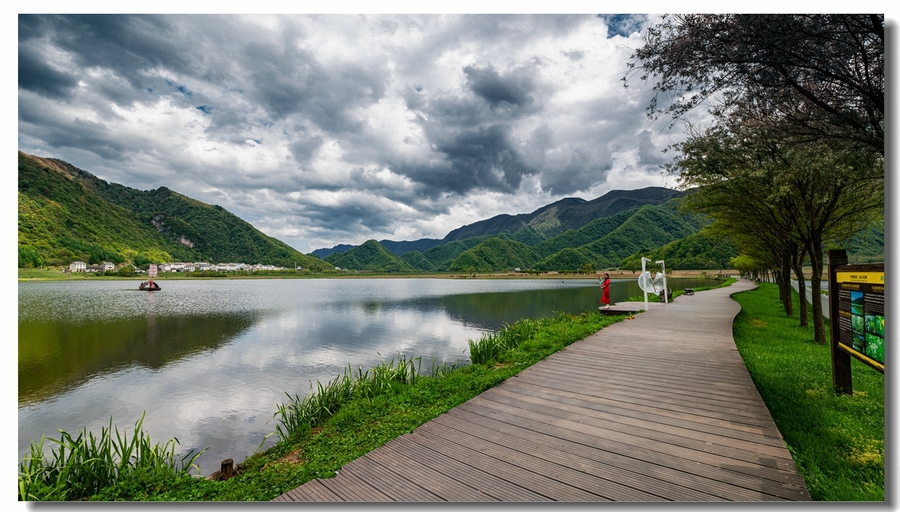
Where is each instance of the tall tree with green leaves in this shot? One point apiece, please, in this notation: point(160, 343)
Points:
point(793, 198)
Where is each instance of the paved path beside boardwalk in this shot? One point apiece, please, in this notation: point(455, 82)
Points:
point(658, 408)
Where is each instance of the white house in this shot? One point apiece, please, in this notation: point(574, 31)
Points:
point(78, 266)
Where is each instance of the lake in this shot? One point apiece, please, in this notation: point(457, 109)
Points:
point(209, 360)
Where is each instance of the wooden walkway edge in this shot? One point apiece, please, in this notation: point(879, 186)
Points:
point(658, 408)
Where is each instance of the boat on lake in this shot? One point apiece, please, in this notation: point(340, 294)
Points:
point(149, 286)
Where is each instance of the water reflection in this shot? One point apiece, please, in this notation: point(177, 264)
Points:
point(56, 356)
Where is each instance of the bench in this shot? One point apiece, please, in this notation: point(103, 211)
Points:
point(688, 291)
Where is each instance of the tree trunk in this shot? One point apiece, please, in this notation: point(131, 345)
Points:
point(816, 258)
point(787, 298)
point(797, 263)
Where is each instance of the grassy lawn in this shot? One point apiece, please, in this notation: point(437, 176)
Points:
point(837, 440)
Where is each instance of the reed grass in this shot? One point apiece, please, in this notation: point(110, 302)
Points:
point(80, 466)
point(492, 344)
point(324, 402)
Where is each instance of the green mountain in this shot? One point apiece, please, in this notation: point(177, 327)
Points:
point(699, 251)
point(68, 214)
point(600, 243)
point(867, 246)
point(533, 228)
point(565, 214)
point(370, 256)
point(440, 258)
point(494, 254)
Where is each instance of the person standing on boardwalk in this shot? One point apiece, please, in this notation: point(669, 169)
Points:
point(604, 284)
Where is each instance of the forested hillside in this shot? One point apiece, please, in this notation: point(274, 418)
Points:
point(68, 214)
point(370, 256)
point(601, 243)
point(533, 228)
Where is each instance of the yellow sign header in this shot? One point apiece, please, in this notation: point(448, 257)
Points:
point(861, 277)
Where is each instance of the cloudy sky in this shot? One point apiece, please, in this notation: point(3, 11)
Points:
point(327, 129)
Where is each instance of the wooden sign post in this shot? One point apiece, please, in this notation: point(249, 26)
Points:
point(856, 311)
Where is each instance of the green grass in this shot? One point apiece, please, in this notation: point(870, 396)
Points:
point(837, 440)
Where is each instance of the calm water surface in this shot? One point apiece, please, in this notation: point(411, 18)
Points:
point(209, 360)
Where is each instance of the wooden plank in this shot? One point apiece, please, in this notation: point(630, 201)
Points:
point(494, 487)
point(577, 481)
point(428, 478)
point(550, 488)
point(395, 487)
point(553, 453)
point(665, 482)
point(310, 491)
point(707, 478)
point(760, 467)
point(630, 389)
point(646, 425)
point(633, 410)
point(350, 488)
point(625, 397)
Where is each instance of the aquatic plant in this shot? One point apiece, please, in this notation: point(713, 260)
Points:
point(79, 467)
point(321, 404)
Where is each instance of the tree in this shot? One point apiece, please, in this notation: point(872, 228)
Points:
point(793, 198)
point(814, 77)
point(736, 193)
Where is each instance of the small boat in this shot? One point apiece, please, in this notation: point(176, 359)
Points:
point(149, 286)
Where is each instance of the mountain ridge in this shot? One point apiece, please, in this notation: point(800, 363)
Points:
point(67, 214)
point(547, 221)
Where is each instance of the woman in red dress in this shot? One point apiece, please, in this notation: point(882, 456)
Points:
point(604, 299)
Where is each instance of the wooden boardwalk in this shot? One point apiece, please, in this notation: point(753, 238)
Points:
point(658, 408)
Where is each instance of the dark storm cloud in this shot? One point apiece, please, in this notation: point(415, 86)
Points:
point(472, 132)
point(79, 134)
point(486, 158)
point(127, 45)
point(304, 145)
point(350, 216)
point(35, 75)
point(288, 80)
point(479, 158)
point(487, 83)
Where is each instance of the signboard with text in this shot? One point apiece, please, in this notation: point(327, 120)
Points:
point(860, 297)
point(856, 307)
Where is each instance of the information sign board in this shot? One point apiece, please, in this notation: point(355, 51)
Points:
point(860, 297)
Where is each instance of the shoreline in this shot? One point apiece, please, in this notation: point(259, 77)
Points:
point(33, 275)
